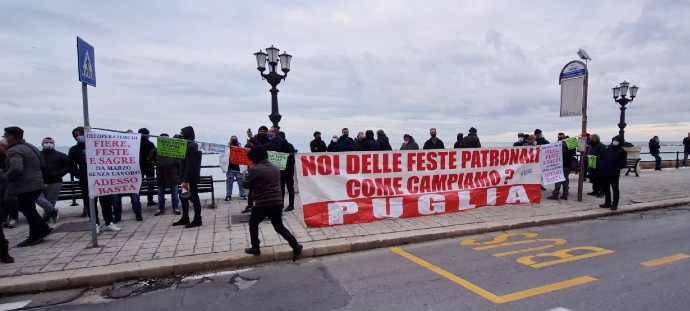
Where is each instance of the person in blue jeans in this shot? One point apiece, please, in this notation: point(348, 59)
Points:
point(167, 177)
point(654, 150)
point(232, 173)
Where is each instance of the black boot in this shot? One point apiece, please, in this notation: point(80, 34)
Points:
point(195, 223)
point(5, 252)
point(253, 251)
point(184, 221)
point(552, 197)
point(296, 252)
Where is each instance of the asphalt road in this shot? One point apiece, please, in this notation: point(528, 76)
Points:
point(628, 262)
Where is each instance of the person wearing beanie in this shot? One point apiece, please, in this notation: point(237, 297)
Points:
point(55, 167)
point(264, 181)
point(471, 140)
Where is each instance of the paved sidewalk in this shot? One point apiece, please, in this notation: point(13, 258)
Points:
point(153, 247)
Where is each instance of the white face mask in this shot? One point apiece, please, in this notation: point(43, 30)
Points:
point(81, 138)
point(615, 143)
point(334, 139)
point(48, 146)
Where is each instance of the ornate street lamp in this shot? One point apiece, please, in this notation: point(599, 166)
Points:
point(620, 93)
point(273, 77)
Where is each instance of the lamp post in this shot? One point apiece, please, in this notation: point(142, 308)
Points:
point(273, 77)
point(620, 95)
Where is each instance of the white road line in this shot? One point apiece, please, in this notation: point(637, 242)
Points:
point(560, 309)
point(214, 274)
point(14, 305)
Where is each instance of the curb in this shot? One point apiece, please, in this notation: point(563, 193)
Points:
point(106, 275)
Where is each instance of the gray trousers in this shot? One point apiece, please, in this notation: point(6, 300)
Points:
point(49, 197)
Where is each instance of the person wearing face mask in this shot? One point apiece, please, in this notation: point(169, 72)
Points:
point(167, 177)
point(56, 167)
point(613, 160)
point(596, 151)
point(148, 169)
point(318, 145)
point(654, 150)
point(76, 157)
point(409, 143)
point(232, 172)
point(433, 142)
point(190, 175)
point(333, 145)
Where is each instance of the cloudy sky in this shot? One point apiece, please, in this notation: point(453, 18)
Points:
point(403, 66)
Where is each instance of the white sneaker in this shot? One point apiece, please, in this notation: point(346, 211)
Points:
point(110, 227)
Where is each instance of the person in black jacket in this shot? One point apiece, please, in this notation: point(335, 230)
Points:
point(568, 163)
point(540, 138)
point(654, 149)
point(433, 142)
point(596, 150)
point(317, 145)
point(333, 145)
point(409, 143)
point(458, 140)
point(345, 142)
point(520, 141)
point(4, 243)
point(471, 140)
point(368, 143)
point(382, 141)
point(190, 176)
point(148, 169)
point(77, 167)
point(55, 167)
point(287, 176)
point(612, 162)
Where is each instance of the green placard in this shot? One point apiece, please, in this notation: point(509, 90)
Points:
point(592, 161)
point(171, 147)
point(278, 159)
point(571, 142)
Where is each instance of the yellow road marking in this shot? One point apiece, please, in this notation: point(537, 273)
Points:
point(487, 294)
point(664, 260)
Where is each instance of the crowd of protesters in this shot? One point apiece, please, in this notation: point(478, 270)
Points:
point(30, 177)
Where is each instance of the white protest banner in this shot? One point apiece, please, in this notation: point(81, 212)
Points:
point(361, 187)
point(212, 148)
point(552, 163)
point(112, 163)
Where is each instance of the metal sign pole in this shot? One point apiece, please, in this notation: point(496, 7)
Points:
point(92, 202)
point(583, 154)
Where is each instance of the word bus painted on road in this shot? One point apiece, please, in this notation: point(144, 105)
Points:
point(361, 187)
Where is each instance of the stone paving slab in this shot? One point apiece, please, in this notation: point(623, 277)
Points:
point(154, 247)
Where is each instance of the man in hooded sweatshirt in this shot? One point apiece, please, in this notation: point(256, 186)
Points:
point(613, 160)
point(382, 141)
point(25, 180)
point(596, 151)
point(190, 175)
point(369, 143)
point(264, 181)
point(471, 140)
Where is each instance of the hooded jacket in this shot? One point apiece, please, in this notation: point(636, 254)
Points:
point(654, 147)
point(318, 145)
point(24, 169)
point(613, 160)
point(458, 140)
point(190, 168)
point(146, 149)
point(77, 162)
point(686, 145)
point(369, 143)
point(56, 166)
point(345, 143)
point(412, 145)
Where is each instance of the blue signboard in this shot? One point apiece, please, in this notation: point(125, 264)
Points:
point(86, 62)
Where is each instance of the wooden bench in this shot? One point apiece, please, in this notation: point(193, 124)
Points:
point(71, 191)
point(631, 165)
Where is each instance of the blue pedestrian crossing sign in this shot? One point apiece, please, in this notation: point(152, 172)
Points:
point(86, 62)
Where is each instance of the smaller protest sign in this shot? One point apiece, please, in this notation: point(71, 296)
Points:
point(112, 163)
point(552, 163)
point(238, 156)
point(212, 148)
point(571, 142)
point(171, 147)
point(278, 159)
point(592, 161)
